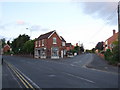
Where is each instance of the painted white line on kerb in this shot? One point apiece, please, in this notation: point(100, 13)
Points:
point(79, 77)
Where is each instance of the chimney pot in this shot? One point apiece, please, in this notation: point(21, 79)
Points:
point(113, 32)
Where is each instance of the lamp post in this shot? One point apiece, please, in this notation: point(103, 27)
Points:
point(119, 28)
point(30, 32)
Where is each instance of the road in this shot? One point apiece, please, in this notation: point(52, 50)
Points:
point(63, 73)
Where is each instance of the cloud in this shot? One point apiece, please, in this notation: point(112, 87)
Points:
point(20, 22)
point(2, 27)
point(35, 27)
point(103, 10)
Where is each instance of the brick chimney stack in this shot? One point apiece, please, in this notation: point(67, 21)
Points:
point(113, 32)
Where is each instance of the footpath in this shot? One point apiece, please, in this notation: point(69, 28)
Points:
point(101, 64)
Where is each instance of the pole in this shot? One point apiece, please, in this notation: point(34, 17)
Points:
point(30, 32)
point(119, 28)
point(119, 16)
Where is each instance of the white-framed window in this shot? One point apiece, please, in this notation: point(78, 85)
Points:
point(54, 40)
point(39, 43)
point(63, 43)
point(43, 42)
point(36, 44)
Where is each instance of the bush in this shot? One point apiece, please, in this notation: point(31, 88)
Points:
point(112, 56)
point(8, 53)
point(108, 55)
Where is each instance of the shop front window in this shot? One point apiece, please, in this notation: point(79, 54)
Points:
point(55, 51)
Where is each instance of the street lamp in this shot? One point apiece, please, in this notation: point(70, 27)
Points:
point(30, 31)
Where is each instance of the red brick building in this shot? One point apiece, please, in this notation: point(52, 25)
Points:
point(69, 46)
point(50, 45)
point(6, 48)
point(108, 43)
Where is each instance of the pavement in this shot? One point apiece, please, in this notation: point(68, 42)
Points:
point(9, 80)
point(66, 73)
point(99, 63)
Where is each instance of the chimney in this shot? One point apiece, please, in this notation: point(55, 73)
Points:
point(76, 44)
point(113, 32)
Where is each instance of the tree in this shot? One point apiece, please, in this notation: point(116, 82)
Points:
point(108, 55)
point(88, 51)
point(76, 49)
point(113, 55)
point(3, 42)
point(81, 48)
point(93, 50)
point(115, 51)
point(8, 42)
point(18, 43)
point(99, 46)
point(29, 47)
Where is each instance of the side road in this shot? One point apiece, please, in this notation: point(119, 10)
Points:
point(101, 64)
point(89, 60)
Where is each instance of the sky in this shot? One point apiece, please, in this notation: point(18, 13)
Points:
point(76, 21)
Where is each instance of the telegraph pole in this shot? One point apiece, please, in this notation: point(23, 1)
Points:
point(119, 41)
point(119, 16)
point(119, 28)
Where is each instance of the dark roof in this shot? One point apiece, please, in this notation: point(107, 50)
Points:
point(68, 44)
point(45, 36)
point(62, 39)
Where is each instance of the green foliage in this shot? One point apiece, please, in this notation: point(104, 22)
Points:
point(88, 51)
point(8, 53)
point(3, 42)
point(81, 49)
point(8, 42)
point(29, 47)
point(18, 43)
point(76, 49)
point(113, 56)
point(93, 50)
point(99, 46)
point(108, 54)
point(115, 52)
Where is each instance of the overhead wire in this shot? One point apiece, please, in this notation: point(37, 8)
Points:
point(109, 18)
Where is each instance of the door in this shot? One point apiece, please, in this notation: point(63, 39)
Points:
point(61, 53)
point(54, 52)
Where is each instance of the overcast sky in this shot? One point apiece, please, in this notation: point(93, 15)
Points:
point(78, 22)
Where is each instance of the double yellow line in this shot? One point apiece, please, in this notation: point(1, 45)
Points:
point(20, 77)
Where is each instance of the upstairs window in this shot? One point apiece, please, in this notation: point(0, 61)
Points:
point(63, 43)
point(54, 40)
point(36, 44)
point(43, 42)
point(39, 43)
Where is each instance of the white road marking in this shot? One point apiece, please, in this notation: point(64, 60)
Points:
point(72, 64)
point(51, 75)
point(79, 77)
